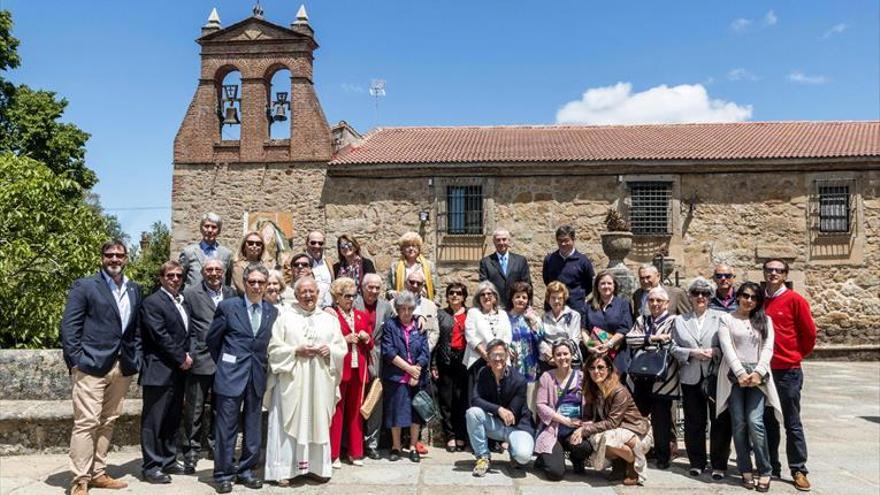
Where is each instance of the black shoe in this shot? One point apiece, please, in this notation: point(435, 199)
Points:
point(224, 487)
point(662, 464)
point(395, 455)
point(414, 455)
point(250, 482)
point(189, 467)
point(157, 478)
point(176, 468)
point(373, 454)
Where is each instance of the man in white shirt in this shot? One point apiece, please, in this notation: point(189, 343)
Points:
point(322, 270)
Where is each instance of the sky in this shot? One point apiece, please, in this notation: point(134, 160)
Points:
point(129, 69)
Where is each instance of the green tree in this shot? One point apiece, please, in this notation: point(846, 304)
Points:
point(145, 261)
point(47, 241)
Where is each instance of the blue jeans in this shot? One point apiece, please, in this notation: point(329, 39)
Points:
point(481, 427)
point(747, 417)
point(788, 385)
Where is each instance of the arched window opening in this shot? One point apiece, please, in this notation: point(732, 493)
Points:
point(278, 105)
point(229, 109)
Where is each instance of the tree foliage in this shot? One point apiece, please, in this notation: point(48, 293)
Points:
point(145, 261)
point(47, 241)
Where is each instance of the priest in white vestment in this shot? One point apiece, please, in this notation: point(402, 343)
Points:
point(306, 351)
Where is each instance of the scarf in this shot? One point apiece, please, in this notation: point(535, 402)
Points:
point(400, 276)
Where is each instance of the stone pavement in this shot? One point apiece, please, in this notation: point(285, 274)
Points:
point(841, 409)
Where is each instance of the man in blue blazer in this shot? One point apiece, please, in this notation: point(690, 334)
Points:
point(102, 349)
point(238, 341)
point(165, 334)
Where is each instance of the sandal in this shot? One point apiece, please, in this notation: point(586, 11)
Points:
point(747, 481)
point(450, 446)
point(763, 487)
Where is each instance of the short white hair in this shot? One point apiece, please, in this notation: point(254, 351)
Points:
point(213, 218)
point(499, 232)
point(649, 267)
point(303, 280)
point(658, 292)
point(371, 277)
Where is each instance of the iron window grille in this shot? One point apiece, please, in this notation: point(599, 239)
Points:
point(833, 210)
point(650, 211)
point(464, 210)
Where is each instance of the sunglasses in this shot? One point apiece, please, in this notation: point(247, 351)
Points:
point(595, 369)
point(775, 270)
point(254, 243)
point(173, 276)
point(119, 256)
point(300, 265)
point(455, 293)
point(348, 296)
point(316, 243)
point(487, 294)
point(749, 297)
point(700, 293)
point(256, 282)
point(498, 356)
point(345, 245)
point(722, 276)
point(415, 282)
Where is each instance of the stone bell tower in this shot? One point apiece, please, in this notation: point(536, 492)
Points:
point(253, 173)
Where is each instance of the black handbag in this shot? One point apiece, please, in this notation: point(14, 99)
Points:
point(423, 403)
point(650, 364)
point(709, 385)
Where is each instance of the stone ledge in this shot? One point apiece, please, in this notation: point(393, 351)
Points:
point(50, 410)
point(39, 374)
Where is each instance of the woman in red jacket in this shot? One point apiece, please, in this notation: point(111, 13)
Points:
point(357, 332)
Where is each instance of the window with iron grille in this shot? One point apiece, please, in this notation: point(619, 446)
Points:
point(650, 208)
point(834, 208)
point(464, 213)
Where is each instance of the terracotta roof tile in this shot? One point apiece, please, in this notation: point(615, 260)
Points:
point(737, 141)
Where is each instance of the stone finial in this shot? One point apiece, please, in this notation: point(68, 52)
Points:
point(301, 16)
point(301, 24)
point(213, 23)
point(258, 10)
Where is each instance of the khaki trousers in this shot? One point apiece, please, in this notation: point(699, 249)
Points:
point(97, 402)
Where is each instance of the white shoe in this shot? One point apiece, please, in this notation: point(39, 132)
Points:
point(337, 464)
point(357, 462)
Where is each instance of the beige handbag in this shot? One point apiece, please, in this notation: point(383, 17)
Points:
point(371, 398)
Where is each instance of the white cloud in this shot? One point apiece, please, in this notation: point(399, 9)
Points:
point(835, 29)
point(741, 74)
point(799, 77)
point(353, 88)
point(770, 18)
point(617, 104)
point(740, 25)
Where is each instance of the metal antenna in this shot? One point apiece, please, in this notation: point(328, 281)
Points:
point(377, 90)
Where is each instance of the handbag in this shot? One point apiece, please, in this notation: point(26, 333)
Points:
point(372, 398)
point(650, 364)
point(423, 403)
point(709, 385)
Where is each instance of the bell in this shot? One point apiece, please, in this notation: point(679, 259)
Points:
point(231, 117)
point(278, 113)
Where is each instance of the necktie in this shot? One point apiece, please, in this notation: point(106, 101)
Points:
point(255, 318)
point(504, 264)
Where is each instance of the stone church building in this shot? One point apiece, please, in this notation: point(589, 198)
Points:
point(699, 193)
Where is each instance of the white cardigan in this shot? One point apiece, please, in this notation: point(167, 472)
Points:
point(479, 330)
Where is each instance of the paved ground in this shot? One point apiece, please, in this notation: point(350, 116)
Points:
point(841, 411)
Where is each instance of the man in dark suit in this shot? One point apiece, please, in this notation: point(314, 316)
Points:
point(164, 324)
point(201, 302)
point(238, 341)
point(377, 310)
point(649, 277)
point(102, 350)
point(503, 268)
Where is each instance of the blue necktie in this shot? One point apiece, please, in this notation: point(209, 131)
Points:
point(255, 318)
point(503, 260)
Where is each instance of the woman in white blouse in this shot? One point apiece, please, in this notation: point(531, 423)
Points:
point(485, 321)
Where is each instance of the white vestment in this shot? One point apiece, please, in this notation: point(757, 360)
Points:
point(301, 394)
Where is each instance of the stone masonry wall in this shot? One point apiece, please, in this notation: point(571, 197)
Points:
point(737, 218)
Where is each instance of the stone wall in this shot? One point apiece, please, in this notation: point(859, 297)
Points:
point(739, 218)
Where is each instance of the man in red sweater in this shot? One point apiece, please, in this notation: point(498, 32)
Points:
point(795, 337)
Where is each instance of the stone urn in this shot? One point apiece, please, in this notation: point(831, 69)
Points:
point(616, 245)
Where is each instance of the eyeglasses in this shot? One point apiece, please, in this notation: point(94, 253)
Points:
point(455, 293)
point(256, 282)
point(749, 297)
point(345, 245)
point(213, 269)
point(415, 282)
point(700, 293)
point(173, 276)
point(655, 300)
point(300, 265)
point(316, 243)
point(254, 243)
point(775, 270)
point(349, 296)
point(487, 294)
point(119, 256)
point(594, 369)
point(722, 276)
